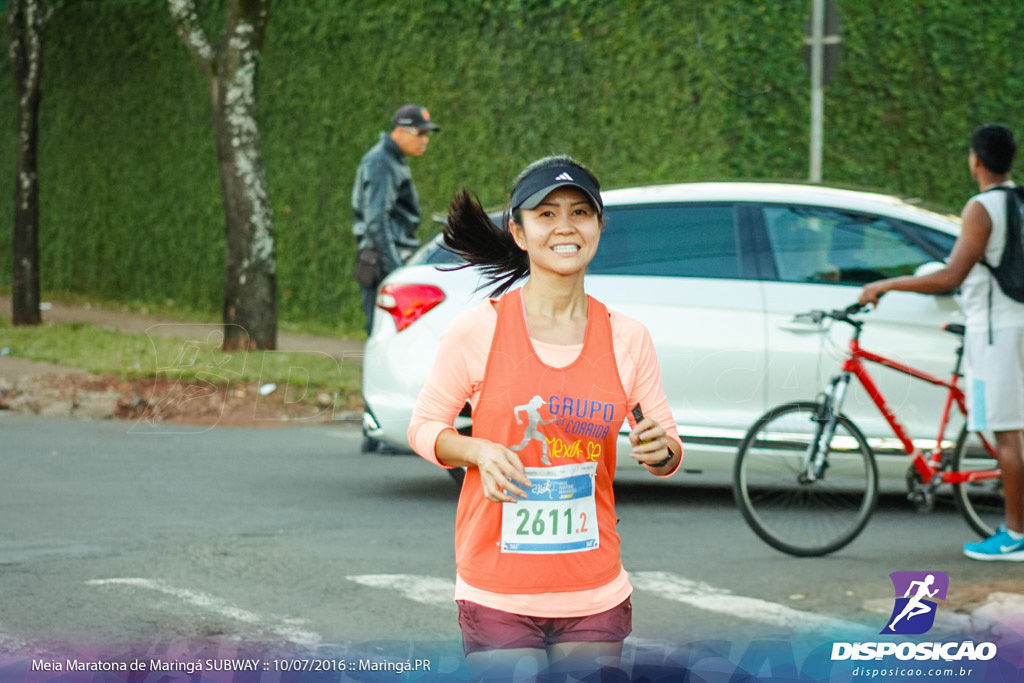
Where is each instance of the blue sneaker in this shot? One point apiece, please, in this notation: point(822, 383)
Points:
point(998, 546)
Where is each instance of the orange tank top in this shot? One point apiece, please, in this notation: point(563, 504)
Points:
point(564, 422)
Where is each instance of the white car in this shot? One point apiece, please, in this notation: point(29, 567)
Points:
point(716, 271)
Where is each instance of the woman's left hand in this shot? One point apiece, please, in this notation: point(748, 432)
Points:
point(650, 442)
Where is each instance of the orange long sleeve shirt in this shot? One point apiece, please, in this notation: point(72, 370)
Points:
point(457, 376)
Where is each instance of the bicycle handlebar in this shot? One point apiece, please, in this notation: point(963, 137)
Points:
point(837, 314)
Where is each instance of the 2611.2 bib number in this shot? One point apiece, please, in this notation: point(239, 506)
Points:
point(550, 521)
point(559, 514)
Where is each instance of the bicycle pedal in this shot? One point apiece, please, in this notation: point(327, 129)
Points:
point(923, 500)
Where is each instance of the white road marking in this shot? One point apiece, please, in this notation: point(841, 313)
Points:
point(285, 630)
point(707, 597)
point(428, 590)
point(10, 643)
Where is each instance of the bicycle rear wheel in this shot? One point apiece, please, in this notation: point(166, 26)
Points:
point(803, 518)
point(981, 502)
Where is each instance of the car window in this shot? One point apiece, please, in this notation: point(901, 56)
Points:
point(833, 246)
point(937, 244)
point(671, 240)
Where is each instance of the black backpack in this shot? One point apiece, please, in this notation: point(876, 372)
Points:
point(1009, 273)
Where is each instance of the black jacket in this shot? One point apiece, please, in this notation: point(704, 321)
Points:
point(385, 205)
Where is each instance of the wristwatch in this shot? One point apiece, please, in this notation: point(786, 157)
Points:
point(664, 462)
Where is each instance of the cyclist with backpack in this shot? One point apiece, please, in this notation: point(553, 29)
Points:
point(987, 264)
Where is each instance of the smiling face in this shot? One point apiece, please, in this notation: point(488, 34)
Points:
point(561, 234)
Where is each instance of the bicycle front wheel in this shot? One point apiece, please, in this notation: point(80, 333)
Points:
point(794, 515)
point(981, 499)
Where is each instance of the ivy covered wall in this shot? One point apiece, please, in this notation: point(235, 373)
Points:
point(642, 91)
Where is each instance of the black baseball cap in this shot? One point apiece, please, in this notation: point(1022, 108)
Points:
point(415, 116)
point(532, 189)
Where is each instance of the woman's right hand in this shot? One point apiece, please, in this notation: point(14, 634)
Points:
point(501, 472)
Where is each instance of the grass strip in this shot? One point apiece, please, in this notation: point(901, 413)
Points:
point(126, 355)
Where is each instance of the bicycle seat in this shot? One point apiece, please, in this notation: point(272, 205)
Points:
point(954, 328)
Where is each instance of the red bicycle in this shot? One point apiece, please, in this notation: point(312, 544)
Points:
point(806, 479)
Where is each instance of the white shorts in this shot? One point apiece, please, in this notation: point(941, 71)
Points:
point(994, 377)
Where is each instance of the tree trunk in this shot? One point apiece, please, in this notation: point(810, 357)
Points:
point(25, 20)
point(250, 289)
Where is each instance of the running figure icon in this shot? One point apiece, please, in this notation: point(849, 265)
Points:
point(916, 605)
point(533, 421)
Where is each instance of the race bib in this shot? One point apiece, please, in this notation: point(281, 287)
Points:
point(559, 514)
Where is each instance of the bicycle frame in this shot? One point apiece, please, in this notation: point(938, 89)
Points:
point(929, 468)
point(813, 505)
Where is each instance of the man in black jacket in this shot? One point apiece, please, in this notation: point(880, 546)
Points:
point(385, 205)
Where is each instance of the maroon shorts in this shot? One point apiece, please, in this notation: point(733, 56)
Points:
point(484, 628)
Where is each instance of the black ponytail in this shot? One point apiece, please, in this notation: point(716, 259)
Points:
point(471, 234)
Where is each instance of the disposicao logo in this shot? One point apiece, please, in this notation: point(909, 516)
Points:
point(913, 613)
point(917, 594)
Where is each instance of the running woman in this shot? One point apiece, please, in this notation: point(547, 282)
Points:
point(539, 579)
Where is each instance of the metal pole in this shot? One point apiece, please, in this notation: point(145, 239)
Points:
point(817, 95)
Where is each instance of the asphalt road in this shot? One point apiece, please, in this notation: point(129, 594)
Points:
point(163, 539)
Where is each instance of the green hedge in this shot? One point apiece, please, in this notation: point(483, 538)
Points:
point(643, 91)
